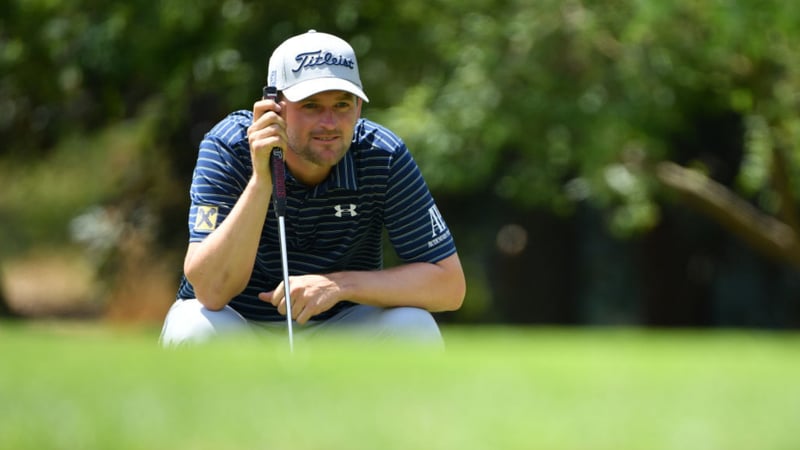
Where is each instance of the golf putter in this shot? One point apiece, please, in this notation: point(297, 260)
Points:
point(279, 204)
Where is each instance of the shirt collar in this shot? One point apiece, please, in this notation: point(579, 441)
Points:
point(344, 173)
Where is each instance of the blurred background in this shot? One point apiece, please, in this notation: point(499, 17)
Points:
point(599, 163)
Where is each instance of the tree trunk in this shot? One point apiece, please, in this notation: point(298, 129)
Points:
point(771, 237)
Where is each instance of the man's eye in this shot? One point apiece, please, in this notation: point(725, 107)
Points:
point(310, 106)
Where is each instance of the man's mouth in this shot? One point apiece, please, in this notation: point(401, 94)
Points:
point(326, 138)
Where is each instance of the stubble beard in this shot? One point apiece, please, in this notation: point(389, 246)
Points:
point(307, 153)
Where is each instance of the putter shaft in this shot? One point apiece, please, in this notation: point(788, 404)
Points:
point(285, 264)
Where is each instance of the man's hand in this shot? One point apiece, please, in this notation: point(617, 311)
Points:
point(310, 295)
point(267, 132)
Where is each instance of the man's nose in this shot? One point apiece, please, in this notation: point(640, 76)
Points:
point(328, 118)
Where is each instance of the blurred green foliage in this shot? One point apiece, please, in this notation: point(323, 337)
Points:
point(543, 104)
point(558, 101)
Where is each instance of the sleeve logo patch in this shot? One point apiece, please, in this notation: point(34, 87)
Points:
point(206, 219)
point(437, 222)
point(439, 231)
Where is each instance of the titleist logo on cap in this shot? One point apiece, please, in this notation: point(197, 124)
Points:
point(317, 58)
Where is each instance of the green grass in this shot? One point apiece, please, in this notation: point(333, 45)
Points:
point(494, 388)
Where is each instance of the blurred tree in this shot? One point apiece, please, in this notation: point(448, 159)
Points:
point(551, 105)
point(562, 102)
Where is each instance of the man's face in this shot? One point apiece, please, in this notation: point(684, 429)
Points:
point(320, 127)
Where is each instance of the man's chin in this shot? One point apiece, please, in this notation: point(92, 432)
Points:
point(328, 156)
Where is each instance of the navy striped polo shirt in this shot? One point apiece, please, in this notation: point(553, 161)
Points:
point(334, 226)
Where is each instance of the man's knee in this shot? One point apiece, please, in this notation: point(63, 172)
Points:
point(189, 322)
point(411, 323)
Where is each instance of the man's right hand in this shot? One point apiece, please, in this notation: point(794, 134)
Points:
point(267, 132)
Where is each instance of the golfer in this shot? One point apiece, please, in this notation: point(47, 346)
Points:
point(347, 181)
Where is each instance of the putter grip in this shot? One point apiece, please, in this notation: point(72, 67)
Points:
point(277, 165)
point(278, 182)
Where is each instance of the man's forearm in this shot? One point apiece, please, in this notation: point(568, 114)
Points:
point(434, 287)
point(220, 266)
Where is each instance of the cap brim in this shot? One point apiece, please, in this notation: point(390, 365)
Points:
point(306, 89)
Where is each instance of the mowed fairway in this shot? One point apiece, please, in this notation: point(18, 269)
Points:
point(93, 387)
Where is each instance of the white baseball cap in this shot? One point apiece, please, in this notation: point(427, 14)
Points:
point(313, 62)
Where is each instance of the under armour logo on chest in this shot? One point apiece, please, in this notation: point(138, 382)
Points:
point(349, 209)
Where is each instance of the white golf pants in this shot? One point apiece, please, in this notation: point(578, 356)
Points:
point(189, 322)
